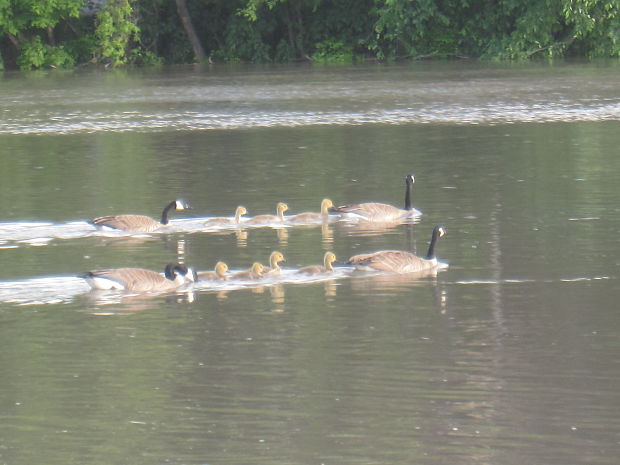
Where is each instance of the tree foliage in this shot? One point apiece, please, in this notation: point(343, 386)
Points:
point(114, 31)
point(48, 33)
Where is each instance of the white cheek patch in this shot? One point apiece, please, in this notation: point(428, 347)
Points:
point(180, 205)
point(190, 276)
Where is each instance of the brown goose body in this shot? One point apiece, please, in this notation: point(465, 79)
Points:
point(281, 207)
point(399, 261)
point(274, 268)
point(381, 212)
point(138, 223)
point(139, 279)
point(222, 220)
point(311, 217)
point(219, 274)
point(328, 259)
point(254, 273)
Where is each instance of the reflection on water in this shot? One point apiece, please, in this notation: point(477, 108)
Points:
point(389, 282)
point(106, 303)
point(362, 228)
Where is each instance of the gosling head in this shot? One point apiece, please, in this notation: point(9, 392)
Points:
point(275, 258)
point(220, 269)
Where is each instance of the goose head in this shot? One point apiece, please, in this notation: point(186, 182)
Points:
point(258, 268)
point(180, 205)
point(239, 212)
point(329, 258)
point(175, 270)
point(220, 269)
point(281, 208)
point(275, 258)
point(326, 204)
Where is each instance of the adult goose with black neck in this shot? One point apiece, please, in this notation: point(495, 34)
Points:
point(140, 280)
point(399, 261)
point(381, 212)
point(138, 223)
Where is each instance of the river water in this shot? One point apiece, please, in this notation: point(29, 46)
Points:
point(507, 356)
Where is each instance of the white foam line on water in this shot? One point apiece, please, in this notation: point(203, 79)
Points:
point(42, 291)
point(42, 233)
point(525, 281)
point(57, 290)
point(285, 277)
point(493, 113)
point(39, 234)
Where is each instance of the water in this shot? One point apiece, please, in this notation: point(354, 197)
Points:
point(508, 356)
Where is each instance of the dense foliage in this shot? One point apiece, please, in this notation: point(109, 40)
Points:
point(54, 33)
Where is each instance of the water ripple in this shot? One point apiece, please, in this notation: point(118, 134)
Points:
point(124, 121)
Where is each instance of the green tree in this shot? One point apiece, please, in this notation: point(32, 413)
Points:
point(28, 32)
point(114, 32)
point(49, 33)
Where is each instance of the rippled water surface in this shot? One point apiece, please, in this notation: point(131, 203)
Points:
point(508, 355)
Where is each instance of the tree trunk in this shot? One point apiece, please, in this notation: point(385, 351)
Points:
point(189, 29)
point(9, 49)
point(51, 40)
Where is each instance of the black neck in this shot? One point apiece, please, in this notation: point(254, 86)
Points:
point(431, 248)
point(164, 214)
point(172, 269)
point(408, 205)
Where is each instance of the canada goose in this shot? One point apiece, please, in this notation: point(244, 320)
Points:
point(256, 272)
point(138, 223)
point(239, 212)
point(327, 267)
point(273, 268)
point(218, 275)
point(399, 261)
point(266, 219)
point(374, 211)
point(309, 217)
point(139, 279)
